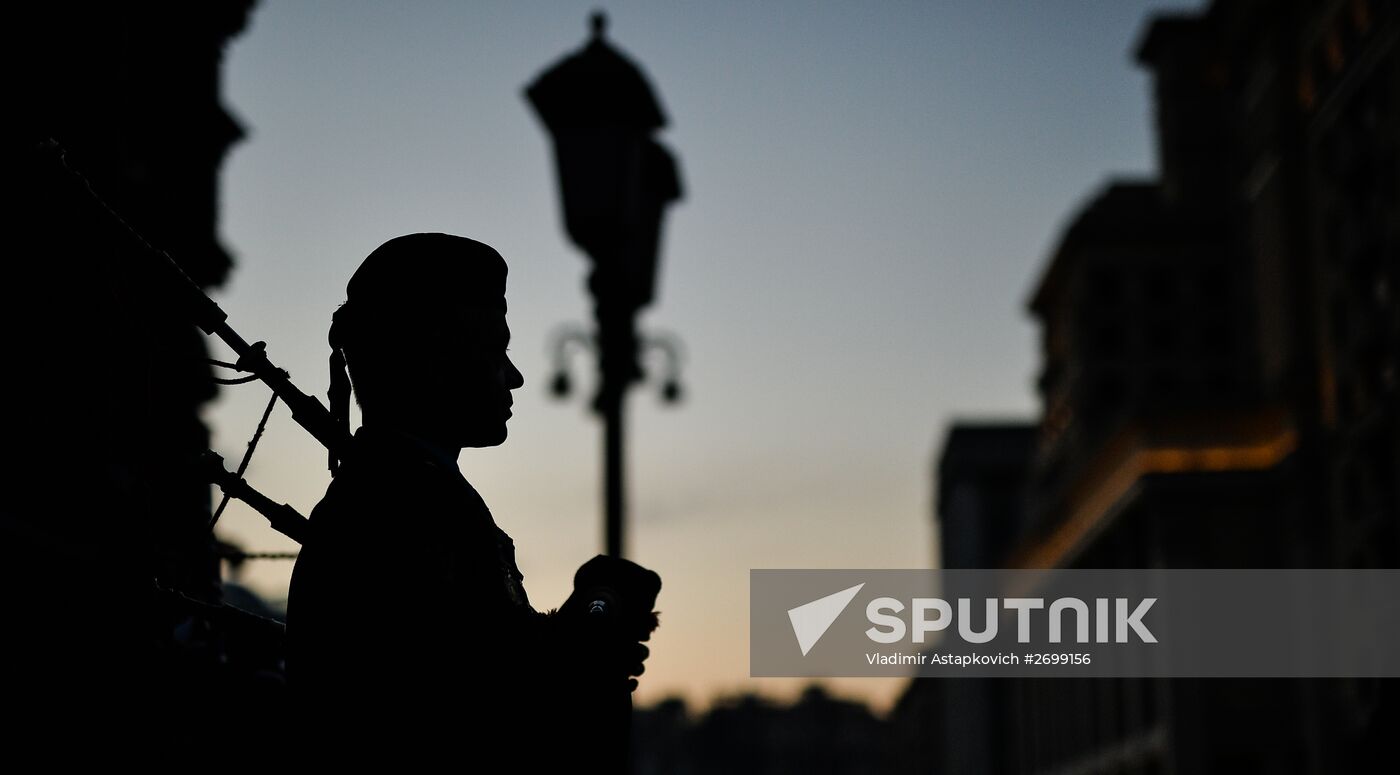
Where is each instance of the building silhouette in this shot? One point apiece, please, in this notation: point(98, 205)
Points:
point(983, 476)
point(1220, 364)
point(751, 735)
point(106, 522)
point(983, 494)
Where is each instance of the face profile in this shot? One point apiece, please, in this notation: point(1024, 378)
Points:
point(424, 337)
point(468, 384)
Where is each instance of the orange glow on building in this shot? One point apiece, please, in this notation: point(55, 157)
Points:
point(1129, 457)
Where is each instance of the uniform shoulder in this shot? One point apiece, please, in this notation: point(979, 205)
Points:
point(384, 487)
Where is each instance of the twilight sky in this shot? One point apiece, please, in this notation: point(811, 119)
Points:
point(871, 192)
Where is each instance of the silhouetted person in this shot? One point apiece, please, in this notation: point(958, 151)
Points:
point(409, 631)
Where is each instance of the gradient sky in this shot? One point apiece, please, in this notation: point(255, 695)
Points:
point(871, 192)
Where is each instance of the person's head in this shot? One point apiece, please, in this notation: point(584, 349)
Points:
point(423, 333)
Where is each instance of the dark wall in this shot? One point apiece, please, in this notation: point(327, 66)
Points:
point(105, 378)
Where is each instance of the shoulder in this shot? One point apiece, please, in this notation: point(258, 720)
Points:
point(382, 484)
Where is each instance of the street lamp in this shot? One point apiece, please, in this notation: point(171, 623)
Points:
point(615, 182)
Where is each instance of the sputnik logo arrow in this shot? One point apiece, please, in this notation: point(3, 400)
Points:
point(810, 621)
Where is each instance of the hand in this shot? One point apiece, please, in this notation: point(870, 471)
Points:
point(606, 640)
point(628, 589)
point(637, 654)
point(602, 656)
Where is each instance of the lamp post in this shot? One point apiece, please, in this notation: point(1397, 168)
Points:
point(615, 182)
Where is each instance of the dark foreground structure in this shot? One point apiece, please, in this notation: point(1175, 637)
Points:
point(1220, 387)
point(117, 626)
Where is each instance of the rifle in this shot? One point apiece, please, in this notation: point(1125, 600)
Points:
point(204, 312)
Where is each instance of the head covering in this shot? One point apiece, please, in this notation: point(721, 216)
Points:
point(410, 280)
